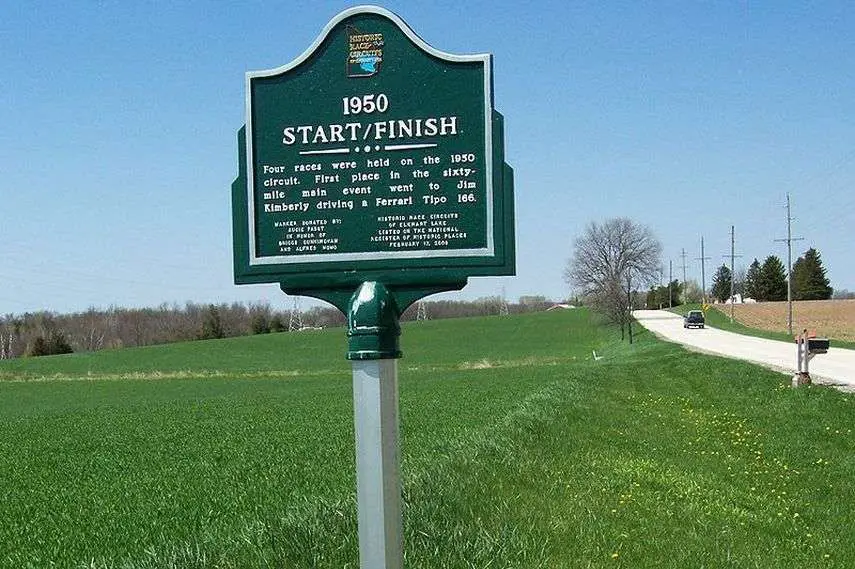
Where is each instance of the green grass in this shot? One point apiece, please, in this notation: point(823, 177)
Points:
point(720, 318)
point(518, 450)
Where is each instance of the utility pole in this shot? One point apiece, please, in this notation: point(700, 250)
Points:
point(670, 280)
point(732, 256)
point(789, 240)
point(702, 259)
point(683, 256)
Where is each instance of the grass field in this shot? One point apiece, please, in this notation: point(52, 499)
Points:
point(518, 450)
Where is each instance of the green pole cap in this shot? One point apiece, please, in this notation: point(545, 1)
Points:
point(373, 327)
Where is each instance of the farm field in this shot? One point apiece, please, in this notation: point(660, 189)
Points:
point(831, 318)
point(518, 450)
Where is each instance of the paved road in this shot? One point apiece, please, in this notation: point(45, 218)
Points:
point(837, 367)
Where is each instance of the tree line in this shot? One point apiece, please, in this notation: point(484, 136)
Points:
point(763, 282)
point(767, 281)
point(48, 333)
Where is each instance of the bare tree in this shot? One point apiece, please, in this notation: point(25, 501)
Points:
point(692, 293)
point(609, 261)
point(5, 346)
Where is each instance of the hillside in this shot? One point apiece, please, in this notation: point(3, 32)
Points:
point(518, 450)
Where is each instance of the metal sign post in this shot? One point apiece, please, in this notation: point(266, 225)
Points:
point(378, 480)
point(373, 332)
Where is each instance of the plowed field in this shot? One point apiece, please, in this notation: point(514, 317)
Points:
point(831, 318)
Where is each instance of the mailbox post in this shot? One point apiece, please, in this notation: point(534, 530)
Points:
point(807, 346)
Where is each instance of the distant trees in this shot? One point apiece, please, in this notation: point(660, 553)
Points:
point(260, 318)
point(52, 344)
point(691, 293)
point(721, 283)
point(772, 280)
point(6, 346)
point(752, 279)
point(809, 280)
point(768, 281)
point(43, 333)
point(608, 259)
point(212, 326)
point(661, 296)
point(739, 281)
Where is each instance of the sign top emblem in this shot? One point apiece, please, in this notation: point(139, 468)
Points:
point(364, 54)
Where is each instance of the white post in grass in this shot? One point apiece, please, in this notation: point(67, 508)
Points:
point(378, 478)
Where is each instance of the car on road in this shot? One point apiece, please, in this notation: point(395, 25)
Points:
point(693, 318)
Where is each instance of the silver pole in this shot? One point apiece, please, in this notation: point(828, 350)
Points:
point(378, 478)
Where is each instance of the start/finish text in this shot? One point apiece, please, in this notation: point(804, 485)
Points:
point(353, 131)
point(374, 131)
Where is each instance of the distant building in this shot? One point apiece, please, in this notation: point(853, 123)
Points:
point(737, 299)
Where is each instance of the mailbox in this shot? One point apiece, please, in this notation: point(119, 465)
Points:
point(817, 345)
point(807, 346)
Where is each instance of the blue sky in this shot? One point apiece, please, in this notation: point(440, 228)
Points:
point(119, 119)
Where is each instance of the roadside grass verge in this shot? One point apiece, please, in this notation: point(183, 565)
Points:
point(518, 450)
point(719, 318)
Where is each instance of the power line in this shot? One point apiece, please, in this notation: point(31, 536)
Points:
point(683, 256)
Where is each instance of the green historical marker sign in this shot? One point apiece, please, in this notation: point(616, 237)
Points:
point(372, 157)
point(372, 173)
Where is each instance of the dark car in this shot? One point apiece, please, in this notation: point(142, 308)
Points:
point(693, 318)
